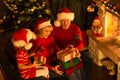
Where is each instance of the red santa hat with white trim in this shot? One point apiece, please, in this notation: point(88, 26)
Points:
point(64, 13)
point(22, 37)
point(96, 19)
point(41, 24)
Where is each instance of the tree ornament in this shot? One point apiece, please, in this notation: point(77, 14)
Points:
point(43, 5)
point(47, 11)
point(40, 16)
point(13, 16)
point(4, 17)
point(32, 10)
point(18, 21)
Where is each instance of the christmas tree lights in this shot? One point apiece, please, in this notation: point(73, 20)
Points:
point(23, 11)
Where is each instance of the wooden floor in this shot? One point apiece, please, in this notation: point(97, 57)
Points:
point(100, 73)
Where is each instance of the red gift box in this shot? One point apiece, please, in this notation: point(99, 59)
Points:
point(70, 70)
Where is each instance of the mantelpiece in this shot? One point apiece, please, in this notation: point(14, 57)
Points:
point(107, 45)
point(102, 47)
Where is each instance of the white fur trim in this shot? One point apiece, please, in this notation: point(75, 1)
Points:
point(30, 35)
point(44, 24)
point(96, 20)
point(34, 36)
point(63, 15)
point(57, 23)
point(28, 46)
point(20, 43)
point(90, 9)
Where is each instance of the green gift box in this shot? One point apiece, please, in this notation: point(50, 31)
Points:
point(71, 63)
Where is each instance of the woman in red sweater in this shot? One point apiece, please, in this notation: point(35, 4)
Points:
point(66, 33)
point(45, 47)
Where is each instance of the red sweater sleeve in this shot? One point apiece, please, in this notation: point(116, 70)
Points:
point(49, 66)
point(78, 39)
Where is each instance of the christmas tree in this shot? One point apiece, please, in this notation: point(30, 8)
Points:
point(23, 12)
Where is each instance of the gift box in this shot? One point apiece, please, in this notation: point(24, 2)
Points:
point(66, 54)
point(72, 69)
point(71, 63)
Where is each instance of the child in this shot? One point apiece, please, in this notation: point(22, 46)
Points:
point(45, 47)
point(26, 69)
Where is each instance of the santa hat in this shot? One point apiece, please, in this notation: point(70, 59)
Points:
point(96, 19)
point(64, 13)
point(22, 37)
point(41, 24)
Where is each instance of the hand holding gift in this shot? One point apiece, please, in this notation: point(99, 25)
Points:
point(40, 60)
point(36, 64)
point(57, 70)
point(69, 59)
point(78, 55)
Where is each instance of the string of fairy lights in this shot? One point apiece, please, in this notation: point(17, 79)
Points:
point(113, 5)
point(24, 10)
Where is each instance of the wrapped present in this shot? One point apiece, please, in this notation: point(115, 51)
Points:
point(66, 54)
point(71, 63)
point(72, 69)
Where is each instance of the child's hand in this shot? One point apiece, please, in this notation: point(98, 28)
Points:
point(77, 53)
point(42, 60)
point(36, 64)
point(56, 69)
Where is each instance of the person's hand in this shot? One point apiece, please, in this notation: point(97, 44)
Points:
point(56, 69)
point(36, 64)
point(42, 60)
point(70, 46)
point(78, 55)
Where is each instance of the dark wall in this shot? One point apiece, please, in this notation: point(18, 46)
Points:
point(79, 7)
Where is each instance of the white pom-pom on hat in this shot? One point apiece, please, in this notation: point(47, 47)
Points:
point(57, 23)
point(28, 46)
point(96, 19)
point(30, 35)
point(65, 13)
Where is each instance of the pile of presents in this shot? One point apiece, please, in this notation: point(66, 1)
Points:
point(68, 60)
